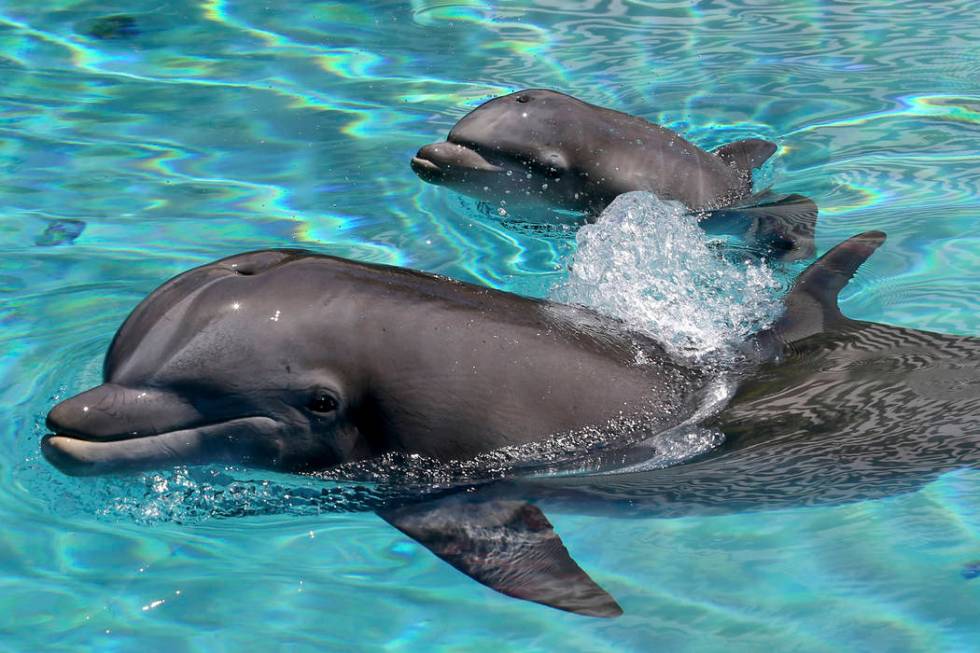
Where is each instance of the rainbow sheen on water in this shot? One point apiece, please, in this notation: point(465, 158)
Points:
point(205, 128)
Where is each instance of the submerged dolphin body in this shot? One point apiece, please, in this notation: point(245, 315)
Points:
point(289, 360)
point(540, 148)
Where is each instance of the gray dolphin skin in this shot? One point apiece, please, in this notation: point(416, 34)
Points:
point(288, 360)
point(541, 148)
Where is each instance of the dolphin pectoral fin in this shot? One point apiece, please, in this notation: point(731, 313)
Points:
point(746, 155)
point(509, 546)
point(811, 304)
point(786, 225)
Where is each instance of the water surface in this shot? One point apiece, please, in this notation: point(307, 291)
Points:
point(132, 150)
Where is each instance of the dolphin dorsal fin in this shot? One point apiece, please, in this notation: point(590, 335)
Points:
point(509, 546)
point(746, 155)
point(811, 304)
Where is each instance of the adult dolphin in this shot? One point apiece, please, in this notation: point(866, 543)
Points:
point(541, 148)
point(294, 361)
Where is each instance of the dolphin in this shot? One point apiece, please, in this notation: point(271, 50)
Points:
point(294, 361)
point(541, 148)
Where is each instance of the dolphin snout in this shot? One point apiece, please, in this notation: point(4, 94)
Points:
point(424, 163)
point(436, 161)
point(115, 412)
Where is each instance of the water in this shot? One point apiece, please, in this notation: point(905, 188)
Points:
point(131, 151)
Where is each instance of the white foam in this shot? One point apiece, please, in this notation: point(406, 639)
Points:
point(648, 263)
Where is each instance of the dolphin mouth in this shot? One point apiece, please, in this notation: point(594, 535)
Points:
point(426, 169)
point(232, 441)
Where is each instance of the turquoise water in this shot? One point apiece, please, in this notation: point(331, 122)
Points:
point(203, 129)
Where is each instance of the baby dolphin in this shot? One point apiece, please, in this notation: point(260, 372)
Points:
point(539, 148)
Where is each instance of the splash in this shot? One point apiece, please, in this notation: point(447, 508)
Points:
point(198, 494)
point(646, 262)
point(676, 445)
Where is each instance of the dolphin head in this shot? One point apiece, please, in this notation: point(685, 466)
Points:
point(217, 365)
point(519, 148)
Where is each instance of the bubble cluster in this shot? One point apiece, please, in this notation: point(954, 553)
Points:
point(648, 263)
point(196, 494)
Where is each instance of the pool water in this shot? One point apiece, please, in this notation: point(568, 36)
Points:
point(134, 147)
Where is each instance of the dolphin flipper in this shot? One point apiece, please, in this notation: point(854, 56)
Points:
point(785, 224)
point(507, 545)
point(811, 304)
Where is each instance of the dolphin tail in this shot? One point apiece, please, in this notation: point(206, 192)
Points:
point(746, 155)
point(785, 224)
point(509, 546)
point(811, 304)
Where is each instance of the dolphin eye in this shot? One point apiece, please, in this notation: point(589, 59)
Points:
point(522, 99)
point(323, 402)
